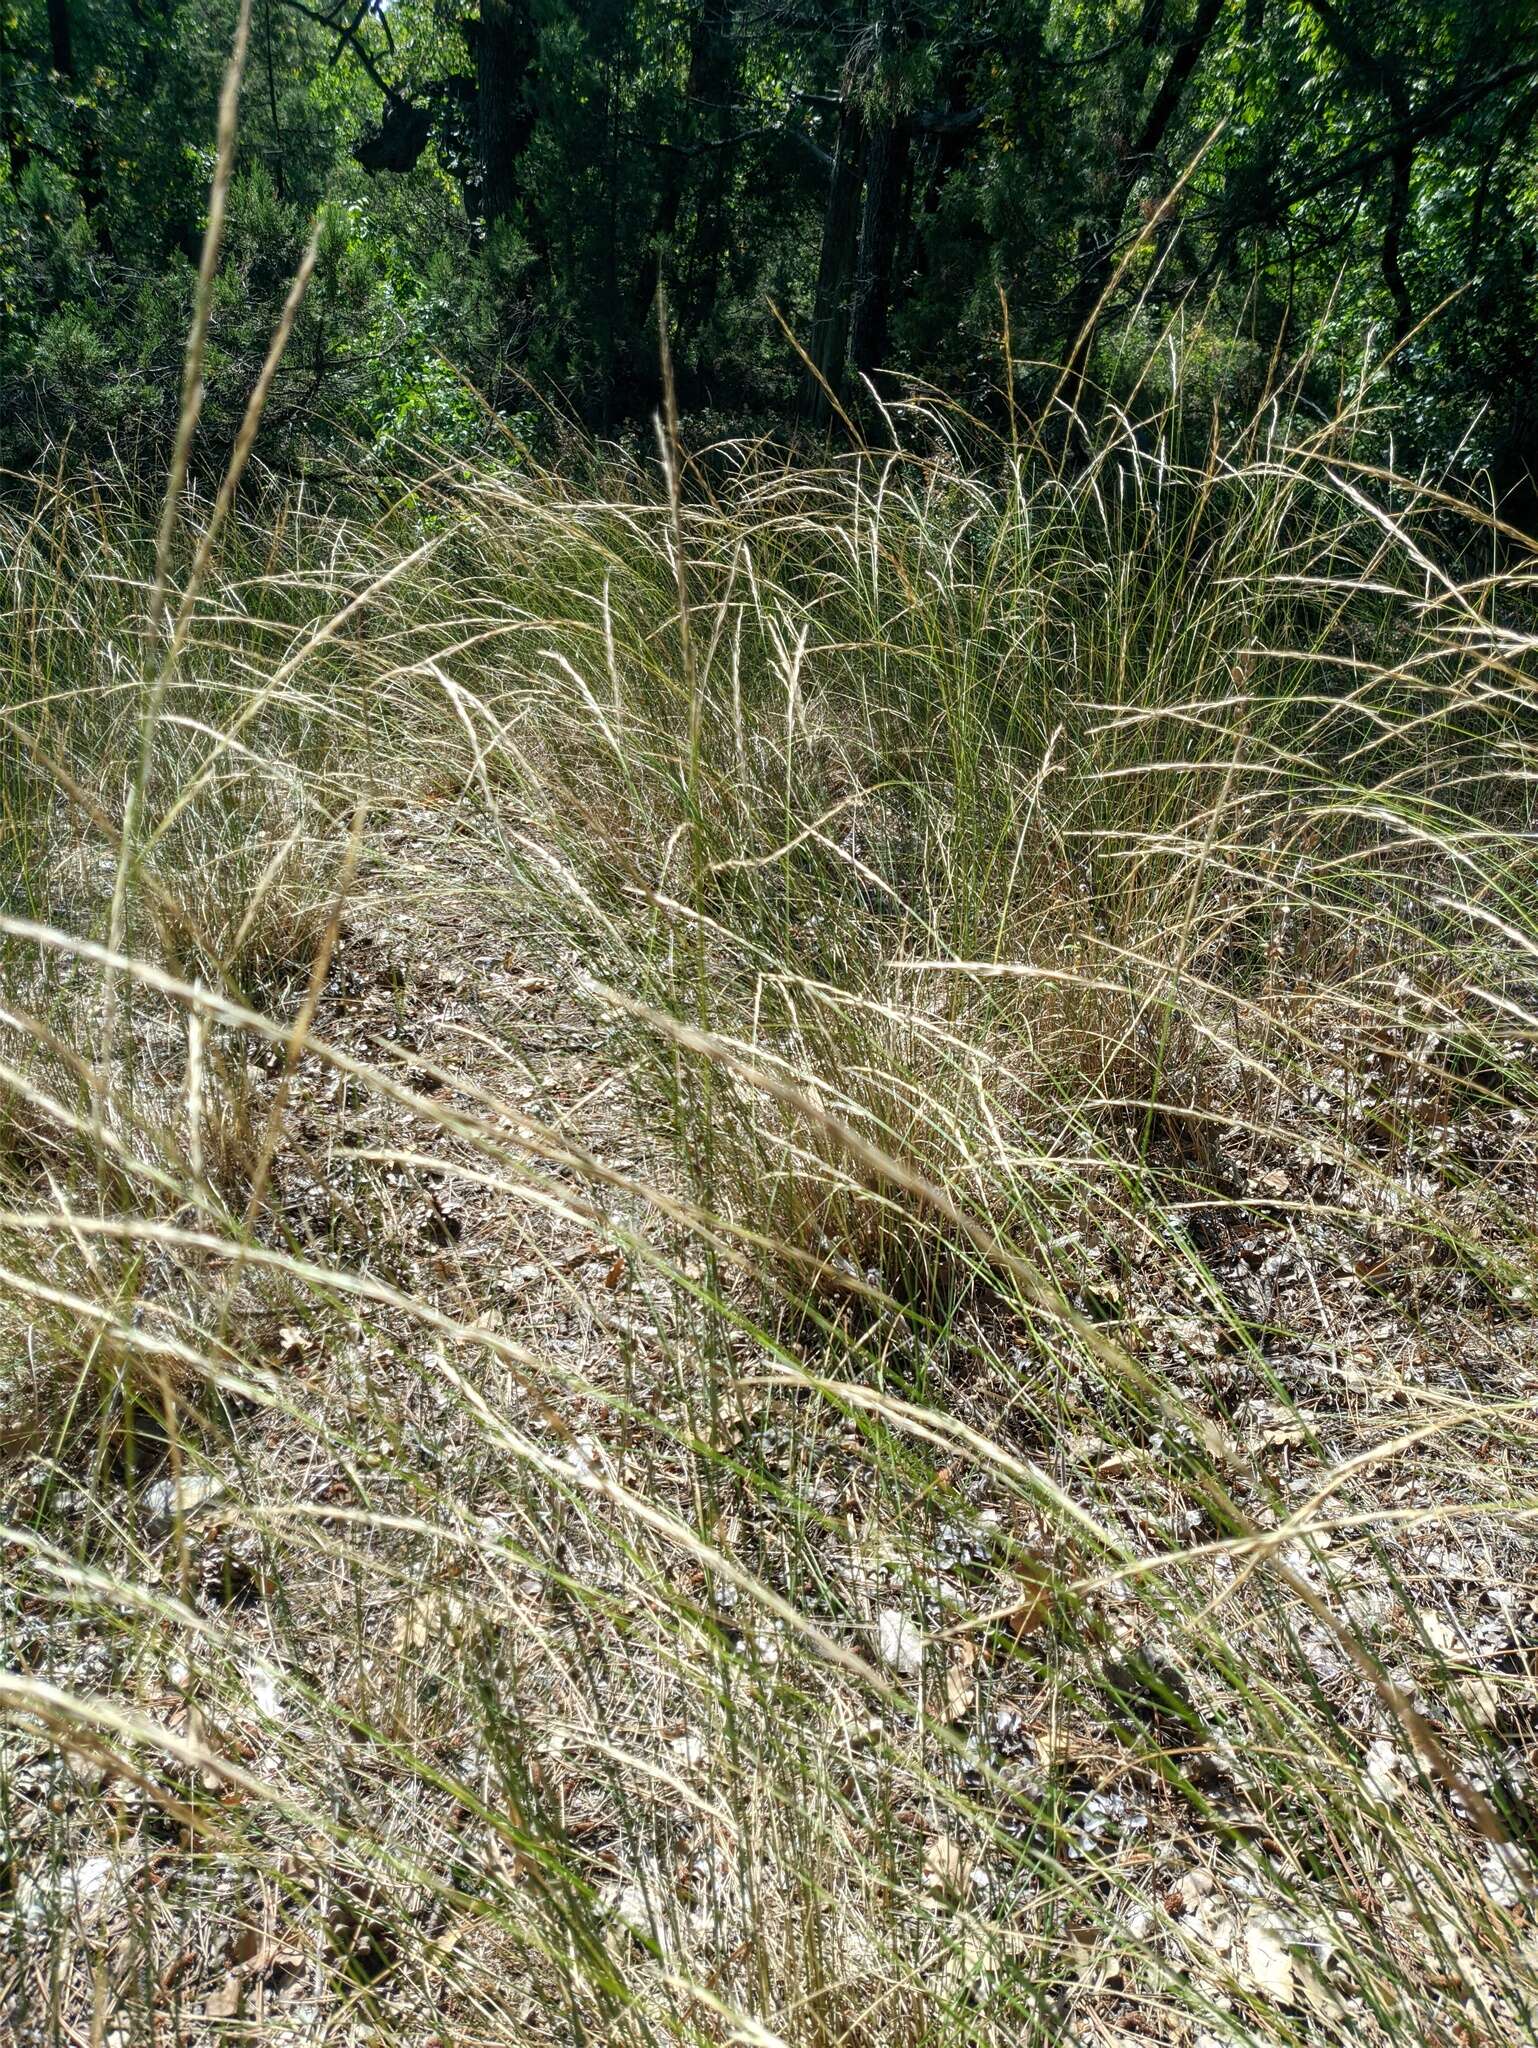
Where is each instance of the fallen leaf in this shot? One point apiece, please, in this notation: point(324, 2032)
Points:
point(1508, 1875)
point(429, 1618)
point(1478, 1690)
point(627, 1904)
point(1481, 1695)
point(948, 1867)
point(1268, 1962)
point(1033, 1609)
point(960, 1690)
point(1441, 1635)
point(1320, 1997)
point(225, 2003)
point(1213, 1926)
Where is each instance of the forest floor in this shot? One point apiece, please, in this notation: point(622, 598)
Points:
point(432, 984)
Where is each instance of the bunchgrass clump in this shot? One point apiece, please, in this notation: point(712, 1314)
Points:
point(773, 1281)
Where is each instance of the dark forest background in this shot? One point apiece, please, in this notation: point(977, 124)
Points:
point(499, 190)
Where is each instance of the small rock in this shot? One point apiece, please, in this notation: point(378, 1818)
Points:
point(1508, 1875)
point(627, 1906)
point(163, 1499)
point(1383, 1776)
point(899, 1644)
point(61, 1892)
point(266, 1693)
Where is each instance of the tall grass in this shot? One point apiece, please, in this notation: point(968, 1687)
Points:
point(952, 1460)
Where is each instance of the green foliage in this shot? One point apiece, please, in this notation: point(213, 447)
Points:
point(505, 186)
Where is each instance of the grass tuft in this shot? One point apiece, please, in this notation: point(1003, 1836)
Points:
point(797, 1301)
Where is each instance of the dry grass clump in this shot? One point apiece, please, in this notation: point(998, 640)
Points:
point(768, 1255)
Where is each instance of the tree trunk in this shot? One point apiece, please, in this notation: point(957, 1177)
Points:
point(1400, 167)
point(886, 162)
point(835, 264)
point(706, 165)
point(713, 87)
point(1382, 74)
point(505, 48)
point(278, 151)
